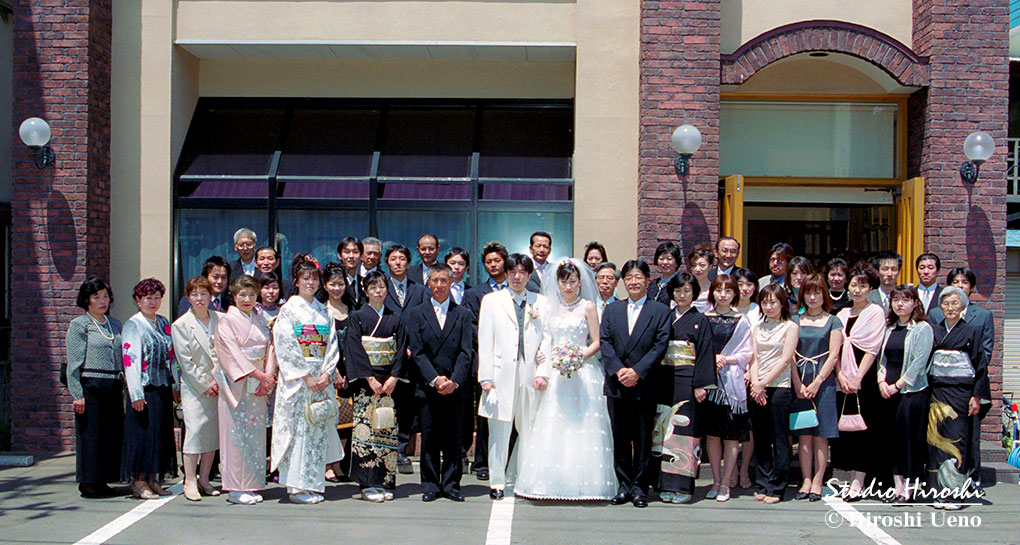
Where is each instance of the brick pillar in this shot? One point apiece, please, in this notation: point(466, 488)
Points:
point(967, 42)
point(679, 84)
point(61, 215)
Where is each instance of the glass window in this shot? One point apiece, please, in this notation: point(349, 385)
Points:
point(514, 230)
point(205, 233)
point(810, 139)
point(316, 232)
point(327, 142)
point(425, 191)
point(433, 143)
point(525, 192)
point(231, 142)
point(526, 143)
point(405, 226)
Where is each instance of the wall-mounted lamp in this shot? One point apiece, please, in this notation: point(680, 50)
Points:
point(35, 133)
point(686, 141)
point(978, 147)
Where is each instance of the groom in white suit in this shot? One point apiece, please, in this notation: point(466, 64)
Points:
point(508, 339)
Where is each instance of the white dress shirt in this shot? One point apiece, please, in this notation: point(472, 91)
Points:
point(926, 293)
point(441, 310)
point(633, 311)
point(248, 268)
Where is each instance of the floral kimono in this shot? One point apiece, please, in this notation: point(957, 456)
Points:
point(304, 440)
point(240, 343)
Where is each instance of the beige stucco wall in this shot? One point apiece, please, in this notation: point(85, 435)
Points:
point(742, 20)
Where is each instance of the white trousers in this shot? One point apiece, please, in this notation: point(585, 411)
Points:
point(499, 451)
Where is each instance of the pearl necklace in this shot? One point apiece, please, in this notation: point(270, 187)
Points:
point(102, 330)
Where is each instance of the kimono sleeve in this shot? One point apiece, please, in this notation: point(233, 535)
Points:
point(704, 357)
point(228, 350)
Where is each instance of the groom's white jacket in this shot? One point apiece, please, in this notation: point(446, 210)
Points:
point(497, 349)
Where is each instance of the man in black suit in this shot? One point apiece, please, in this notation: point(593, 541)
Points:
point(540, 248)
point(727, 250)
point(634, 336)
point(460, 263)
point(494, 257)
point(349, 251)
point(928, 266)
point(401, 296)
point(668, 259)
point(439, 334)
point(245, 242)
point(428, 251)
point(217, 271)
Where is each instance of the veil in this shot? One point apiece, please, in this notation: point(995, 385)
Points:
point(551, 287)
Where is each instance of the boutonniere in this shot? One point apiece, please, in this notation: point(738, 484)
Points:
point(533, 313)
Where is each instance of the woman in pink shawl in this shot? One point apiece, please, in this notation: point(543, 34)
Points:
point(864, 324)
point(241, 342)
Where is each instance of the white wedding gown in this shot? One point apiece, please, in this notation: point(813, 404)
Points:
point(568, 452)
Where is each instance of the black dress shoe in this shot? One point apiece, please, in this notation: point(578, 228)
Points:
point(404, 465)
point(482, 474)
point(801, 496)
point(641, 502)
point(91, 491)
point(495, 493)
point(428, 496)
point(454, 495)
point(812, 497)
point(620, 499)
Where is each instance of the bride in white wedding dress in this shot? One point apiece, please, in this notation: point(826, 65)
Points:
point(568, 452)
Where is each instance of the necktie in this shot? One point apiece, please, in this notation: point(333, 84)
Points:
point(520, 330)
point(400, 294)
point(632, 314)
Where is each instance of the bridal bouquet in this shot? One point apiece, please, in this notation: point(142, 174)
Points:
point(567, 358)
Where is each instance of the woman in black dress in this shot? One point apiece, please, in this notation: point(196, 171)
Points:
point(94, 378)
point(334, 282)
point(375, 348)
point(836, 271)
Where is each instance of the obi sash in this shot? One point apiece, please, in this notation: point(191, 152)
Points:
point(312, 339)
point(381, 350)
point(951, 364)
point(679, 354)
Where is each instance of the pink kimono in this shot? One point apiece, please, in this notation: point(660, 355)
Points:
point(240, 343)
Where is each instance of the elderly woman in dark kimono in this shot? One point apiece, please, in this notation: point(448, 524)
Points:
point(959, 391)
point(374, 355)
point(685, 375)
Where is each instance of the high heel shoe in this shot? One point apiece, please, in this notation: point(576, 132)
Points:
point(207, 489)
point(191, 493)
point(142, 492)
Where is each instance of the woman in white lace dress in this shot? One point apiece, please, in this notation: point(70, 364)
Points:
point(568, 452)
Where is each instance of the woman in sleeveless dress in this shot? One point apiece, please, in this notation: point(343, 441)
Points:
point(568, 453)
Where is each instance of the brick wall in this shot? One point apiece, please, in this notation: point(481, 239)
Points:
point(60, 214)
point(967, 44)
point(679, 84)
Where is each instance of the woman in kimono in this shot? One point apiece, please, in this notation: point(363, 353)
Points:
point(864, 330)
point(903, 382)
point(246, 379)
point(685, 376)
point(814, 383)
point(305, 416)
point(334, 282)
point(725, 411)
point(192, 335)
point(374, 354)
point(149, 449)
point(94, 370)
point(959, 391)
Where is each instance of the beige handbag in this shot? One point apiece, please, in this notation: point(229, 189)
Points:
point(383, 418)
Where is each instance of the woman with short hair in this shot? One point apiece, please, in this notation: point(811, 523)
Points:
point(94, 379)
point(149, 448)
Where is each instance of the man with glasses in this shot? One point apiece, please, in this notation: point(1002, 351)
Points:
point(727, 250)
point(244, 244)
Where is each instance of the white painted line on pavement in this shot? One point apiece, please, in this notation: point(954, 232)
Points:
point(858, 521)
point(501, 521)
point(125, 521)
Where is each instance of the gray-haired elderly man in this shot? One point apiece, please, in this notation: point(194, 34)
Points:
point(245, 242)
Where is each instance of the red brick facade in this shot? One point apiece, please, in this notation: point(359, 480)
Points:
point(967, 43)
point(61, 215)
point(679, 85)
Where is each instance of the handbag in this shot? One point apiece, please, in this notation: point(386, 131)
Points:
point(805, 419)
point(345, 413)
point(320, 411)
point(383, 418)
point(851, 422)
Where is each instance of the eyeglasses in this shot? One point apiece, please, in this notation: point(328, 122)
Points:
point(951, 303)
point(245, 245)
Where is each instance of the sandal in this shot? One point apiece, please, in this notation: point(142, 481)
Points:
point(758, 496)
point(724, 494)
point(770, 500)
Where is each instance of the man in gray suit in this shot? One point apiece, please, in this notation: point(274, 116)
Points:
point(888, 264)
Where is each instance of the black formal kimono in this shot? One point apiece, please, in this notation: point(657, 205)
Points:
point(373, 450)
point(406, 397)
point(439, 352)
point(476, 428)
point(959, 371)
point(632, 409)
point(689, 364)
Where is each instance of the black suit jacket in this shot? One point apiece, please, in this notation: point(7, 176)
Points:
point(416, 272)
point(236, 269)
point(641, 351)
point(472, 301)
point(656, 293)
point(534, 283)
point(934, 303)
point(415, 295)
point(436, 351)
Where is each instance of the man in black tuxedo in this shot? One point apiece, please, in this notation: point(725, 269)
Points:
point(428, 250)
point(401, 296)
point(349, 251)
point(540, 246)
point(494, 258)
point(439, 333)
point(634, 336)
point(217, 271)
